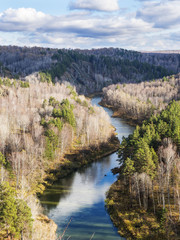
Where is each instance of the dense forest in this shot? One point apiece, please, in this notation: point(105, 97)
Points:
point(145, 202)
point(88, 70)
point(167, 59)
point(140, 101)
point(41, 123)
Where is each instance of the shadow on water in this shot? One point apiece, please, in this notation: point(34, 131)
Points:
point(80, 196)
point(55, 193)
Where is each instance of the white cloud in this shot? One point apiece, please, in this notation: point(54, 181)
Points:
point(98, 5)
point(22, 15)
point(81, 25)
point(84, 29)
point(164, 14)
point(22, 19)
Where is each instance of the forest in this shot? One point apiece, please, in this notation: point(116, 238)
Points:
point(145, 202)
point(139, 101)
point(41, 123)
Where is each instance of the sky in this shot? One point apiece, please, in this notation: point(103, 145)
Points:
point(142, 25)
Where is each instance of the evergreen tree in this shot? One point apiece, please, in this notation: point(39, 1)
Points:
point(15, 215)
point(8, 211)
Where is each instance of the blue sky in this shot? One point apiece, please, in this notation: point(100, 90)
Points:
point(130, 24)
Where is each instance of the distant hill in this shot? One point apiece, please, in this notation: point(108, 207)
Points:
point(88, 70)
point(163, 51)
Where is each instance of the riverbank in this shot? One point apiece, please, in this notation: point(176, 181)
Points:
point(117, 113)
point(80, 158)
point(72, 161)
point(134, 222)
point(45, 228)
point(142, 203)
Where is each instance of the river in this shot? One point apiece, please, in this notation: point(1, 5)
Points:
point(76, 202)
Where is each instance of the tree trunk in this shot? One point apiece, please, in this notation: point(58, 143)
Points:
point(2, 173)
point(22, 235)
point(139, 197)
point(154, 207)
point(130, 192)
point(177, 191)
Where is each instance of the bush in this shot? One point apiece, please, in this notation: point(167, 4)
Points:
point(24, 84)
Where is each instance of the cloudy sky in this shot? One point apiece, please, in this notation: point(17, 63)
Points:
point(129, 24)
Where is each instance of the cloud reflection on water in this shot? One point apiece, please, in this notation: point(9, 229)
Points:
point(83, 195)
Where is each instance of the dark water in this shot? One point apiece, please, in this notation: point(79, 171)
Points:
point(77, 201)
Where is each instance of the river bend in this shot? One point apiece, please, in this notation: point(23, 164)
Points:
point(78, 199)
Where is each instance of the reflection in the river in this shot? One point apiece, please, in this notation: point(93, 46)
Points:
point(88, 186)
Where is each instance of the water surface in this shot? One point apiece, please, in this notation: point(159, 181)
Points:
point(76, 202)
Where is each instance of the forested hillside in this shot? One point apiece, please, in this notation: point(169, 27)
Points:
point(88, 70)
point(140, 101)
point(145, 202)
point(169, 60)
point(39, 124)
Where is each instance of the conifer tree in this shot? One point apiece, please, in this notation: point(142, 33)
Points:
point(15, 215)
